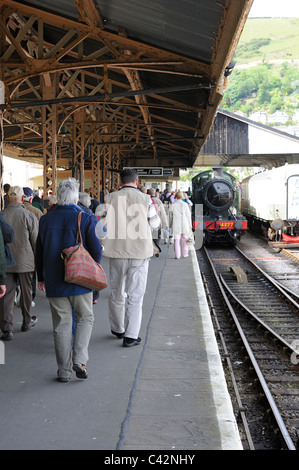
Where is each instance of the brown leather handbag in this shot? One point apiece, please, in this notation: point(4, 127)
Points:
point(79, 266)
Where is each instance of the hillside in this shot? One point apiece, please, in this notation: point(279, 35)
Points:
point(266, 75)
point(268, 39)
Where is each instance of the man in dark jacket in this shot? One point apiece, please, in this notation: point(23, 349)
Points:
point(57, 231)
point(2, 267)
point(8, 236)
point(6, 189)
point(25, 226)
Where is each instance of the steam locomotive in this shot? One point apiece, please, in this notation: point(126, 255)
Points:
point(217, 193)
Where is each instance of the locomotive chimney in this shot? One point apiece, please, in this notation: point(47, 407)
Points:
point(218, 171)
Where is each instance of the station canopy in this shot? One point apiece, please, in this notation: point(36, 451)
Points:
point(138, 80)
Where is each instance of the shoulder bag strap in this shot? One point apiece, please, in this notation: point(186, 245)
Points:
point(78, 229)
point(154, 204)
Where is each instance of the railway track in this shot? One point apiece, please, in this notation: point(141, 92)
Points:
point(257, 322)
point(293, 253)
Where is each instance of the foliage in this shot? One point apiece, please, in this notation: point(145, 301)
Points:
point(263, 88)
point(247, 50)
point(239, 173)
point(266, 77)
point(267, 39)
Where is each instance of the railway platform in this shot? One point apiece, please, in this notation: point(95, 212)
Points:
point(169, 393)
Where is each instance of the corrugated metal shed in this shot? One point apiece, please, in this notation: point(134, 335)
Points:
point(227, 136)
point(228, 144)
point(143, 78)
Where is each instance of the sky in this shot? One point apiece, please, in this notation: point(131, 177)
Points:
point(275, 8)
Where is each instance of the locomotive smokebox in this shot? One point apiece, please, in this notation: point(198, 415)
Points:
point(218, 171)
point(217, 193)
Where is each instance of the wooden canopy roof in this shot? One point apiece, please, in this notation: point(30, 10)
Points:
point(136, 81)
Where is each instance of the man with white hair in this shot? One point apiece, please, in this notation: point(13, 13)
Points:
point(25, 226)
point(57, 231)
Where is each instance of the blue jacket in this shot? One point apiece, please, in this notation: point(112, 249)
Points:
point(57, 231)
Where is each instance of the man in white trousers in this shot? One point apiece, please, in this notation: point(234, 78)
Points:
point(130, 215)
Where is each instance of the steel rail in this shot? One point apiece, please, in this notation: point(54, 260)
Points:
point(286, 289)
point(277, 285)
point(289, 291)
point(241, 407)
point(284, 432)
point(261, 322)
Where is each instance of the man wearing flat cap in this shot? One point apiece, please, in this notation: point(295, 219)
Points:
point(25, 226)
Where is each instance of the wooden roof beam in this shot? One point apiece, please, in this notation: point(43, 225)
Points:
point(115, 42)
point(89, 13)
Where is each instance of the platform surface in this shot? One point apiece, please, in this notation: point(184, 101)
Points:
point(169, 393)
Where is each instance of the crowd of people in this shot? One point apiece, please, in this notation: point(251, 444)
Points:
point(32, 240)
point(174, 209)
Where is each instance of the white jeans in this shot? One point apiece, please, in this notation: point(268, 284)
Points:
point(125, 310)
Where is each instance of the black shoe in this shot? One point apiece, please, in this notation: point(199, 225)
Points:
point(128, 342)
point(7, 335)
point(30, 325)
point(63, 379)
point(119, 335)
point(81, 371)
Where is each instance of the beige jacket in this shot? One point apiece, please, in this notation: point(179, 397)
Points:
point(128, 229)
point(38, 213)
point(25, 226)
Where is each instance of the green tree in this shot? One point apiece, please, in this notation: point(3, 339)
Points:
point(263, 96)
point(263, 88)
point(276, 101)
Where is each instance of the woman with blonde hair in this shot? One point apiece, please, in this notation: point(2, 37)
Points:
point(181, 224)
